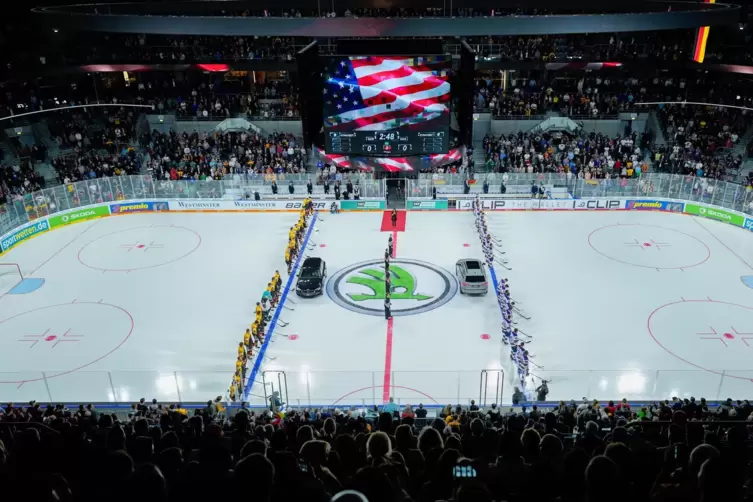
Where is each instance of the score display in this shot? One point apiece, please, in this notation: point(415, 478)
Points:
point(386, 143)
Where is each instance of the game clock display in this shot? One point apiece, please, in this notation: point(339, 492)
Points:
point(386, 143)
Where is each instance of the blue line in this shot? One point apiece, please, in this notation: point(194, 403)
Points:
point(276, 316)
point(496, 284)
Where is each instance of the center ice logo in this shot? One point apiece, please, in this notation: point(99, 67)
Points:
point(402, 285)
point(416, 287)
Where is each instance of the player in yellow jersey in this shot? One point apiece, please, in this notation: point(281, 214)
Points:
point(288, 258)
point(237, 381)
point(258, 320)
point(277, 282)
point(240, 367)
point(232, 392)
point(247, 338)
point(242, 351)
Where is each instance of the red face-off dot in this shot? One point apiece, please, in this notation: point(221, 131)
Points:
point(647, 244)
point(140, 246)
point(729, 336)
point(50, 338)
point(466, 245)
point(293, 337)
point(322, 245)
point(485, 336)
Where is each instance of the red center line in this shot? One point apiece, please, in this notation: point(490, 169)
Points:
point(388, 349)
point(387, 363)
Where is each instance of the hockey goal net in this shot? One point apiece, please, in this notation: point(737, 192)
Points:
point(10, 276)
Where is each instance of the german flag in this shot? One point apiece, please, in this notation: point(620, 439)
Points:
point(701, 37)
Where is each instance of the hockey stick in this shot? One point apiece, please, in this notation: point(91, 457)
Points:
point(281, 334)
point(268, 358)
point(527, 318)
point(283, 322)
point(524, 333)
point(533, 363)
point(289, 308)
point(505, 266)
point(291, 300)
point(500, 252)
point(501, 261)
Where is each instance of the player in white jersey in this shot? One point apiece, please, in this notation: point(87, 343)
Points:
point(501, 285)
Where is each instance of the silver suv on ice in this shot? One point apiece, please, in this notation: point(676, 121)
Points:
point(472, 277)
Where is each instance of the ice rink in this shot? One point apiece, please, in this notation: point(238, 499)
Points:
point(630, 304)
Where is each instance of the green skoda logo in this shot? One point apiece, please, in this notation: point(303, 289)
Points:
point(415, 287)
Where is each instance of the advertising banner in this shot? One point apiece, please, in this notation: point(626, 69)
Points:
point(137, 207)
point(518, 204)
point(655, 205)
point(608, 204)
point(361, 205)
point(24, 233)
point(749, 224)
point(715, 214)
point(80, 215)
point(244, 205)
point(419, 205)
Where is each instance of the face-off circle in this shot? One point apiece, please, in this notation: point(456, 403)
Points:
point(649, 246)
point(139, 248)
point(710, 335)
point(61, 339)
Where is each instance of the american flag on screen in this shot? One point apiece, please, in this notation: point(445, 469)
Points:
point(376, 93)
point(391, 163)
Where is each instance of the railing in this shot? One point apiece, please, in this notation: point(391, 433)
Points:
point(496, 178)
point(365, 388)
point(60, 198)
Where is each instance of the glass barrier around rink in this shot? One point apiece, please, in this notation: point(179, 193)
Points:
point(83, 193)
point(366, 388)
point(670, 186)
point(641, 385)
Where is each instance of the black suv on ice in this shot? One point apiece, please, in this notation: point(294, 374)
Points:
point(311, 277)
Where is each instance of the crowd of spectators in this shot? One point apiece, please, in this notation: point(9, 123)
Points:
point(586, 156)
point(196, 96)
point(271, 101)
point(213, 156)
point(702, 139)
point(596, 95)
point(672, 45)
point(580, 452)
point(590, 96)
point(19, 179)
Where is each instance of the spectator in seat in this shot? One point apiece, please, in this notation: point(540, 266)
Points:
point(421, 412)
point(390, 407)
point(408, 412)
